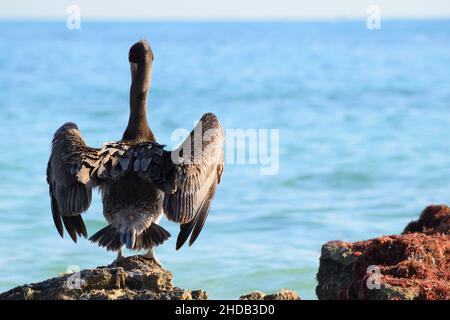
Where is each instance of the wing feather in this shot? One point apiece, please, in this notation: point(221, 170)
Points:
point(67, 177)
point(188, 175)
point(74, 169)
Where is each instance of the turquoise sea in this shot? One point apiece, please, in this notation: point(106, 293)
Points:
point(364, 120)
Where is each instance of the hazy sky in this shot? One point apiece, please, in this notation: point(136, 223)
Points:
point(223, 9)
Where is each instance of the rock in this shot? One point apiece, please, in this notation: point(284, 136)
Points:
point(132, 278)
point(135, 277)
point(433, 220)
point(283, 294)
point(411, 266)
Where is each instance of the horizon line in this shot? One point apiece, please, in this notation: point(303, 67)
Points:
point(224, 19)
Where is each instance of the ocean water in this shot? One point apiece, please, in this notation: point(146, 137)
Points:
point(364, 120)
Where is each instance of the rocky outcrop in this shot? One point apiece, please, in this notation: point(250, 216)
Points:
point(131, 278)
point(283, 294)
point(414, 265)
point(433, 220)
point(135, 277)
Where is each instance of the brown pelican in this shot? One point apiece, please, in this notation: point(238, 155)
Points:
point(138, 179)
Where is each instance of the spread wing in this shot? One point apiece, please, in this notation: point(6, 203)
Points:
point(73, 170)
point(188, 175)
point(67, 169)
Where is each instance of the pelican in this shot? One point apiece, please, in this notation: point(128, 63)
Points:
point(138, 179)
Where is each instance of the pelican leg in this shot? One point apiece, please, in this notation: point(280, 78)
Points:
point(151, 254)
point(119, 255)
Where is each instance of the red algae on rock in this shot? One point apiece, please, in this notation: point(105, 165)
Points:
point(434, 219)
point(409, 266)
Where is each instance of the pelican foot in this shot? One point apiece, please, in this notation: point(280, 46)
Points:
point(151, 254)
point(119, 256)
